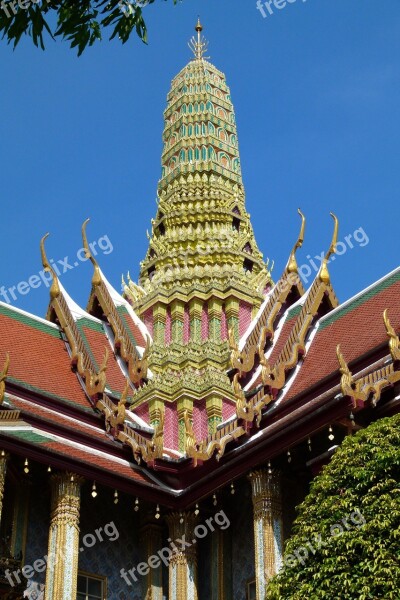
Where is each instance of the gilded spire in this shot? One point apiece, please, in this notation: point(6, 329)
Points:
point(198, 45)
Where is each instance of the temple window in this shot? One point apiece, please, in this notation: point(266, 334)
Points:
point(91, 587)
point(151, 272)
point(236, 223)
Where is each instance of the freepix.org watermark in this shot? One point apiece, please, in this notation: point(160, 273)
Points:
point(107, 533)
point(175, 548)
point(355, 520)
point(61, 266)
point(11, 7)
point(269, 7)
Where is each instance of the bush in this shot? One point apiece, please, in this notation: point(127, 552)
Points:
point(346, 542)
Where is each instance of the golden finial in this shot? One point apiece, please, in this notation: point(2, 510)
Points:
point(394, 342)
point(199, 26)
point(346, 381)
point(55, 288)
point(3, 377)
point(199, 45)
point(96, 279)
point(292, 263)
point(324, 273)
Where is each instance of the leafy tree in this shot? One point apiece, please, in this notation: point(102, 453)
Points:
point(346, 542)
point(81, 22)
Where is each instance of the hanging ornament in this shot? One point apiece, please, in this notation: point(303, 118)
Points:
point(197, 511)
point(309, 444)
point(352, 421)
point(269, 468)
point(94, 490)
point(116, 499)
point(26, 466)
point(289, 456)
point(181, 520)
point(215, 501)
point(232, 489)
point(136, 508)
point(331, 436)
point(72, 479)
point(49, 469)
point(157, 515)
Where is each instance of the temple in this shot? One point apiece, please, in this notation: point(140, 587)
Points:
point(155, 445)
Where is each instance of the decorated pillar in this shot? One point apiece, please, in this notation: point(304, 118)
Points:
point(183, 562)
point(195, 313)
point(214, 412)
point(63, 552)
point(151, 541)
point(232, 315)
point(177, 318)
point(159, 321)
point(3, 470)
point(156, 411)
point(215, 316)
point(268, 526)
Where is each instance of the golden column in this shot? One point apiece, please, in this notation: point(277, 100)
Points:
point(63, 552)
point(3, 470)
point(183, 562)
point(268, 526)
point(151, 541)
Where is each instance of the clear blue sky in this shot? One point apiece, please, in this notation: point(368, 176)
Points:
point(316, 89)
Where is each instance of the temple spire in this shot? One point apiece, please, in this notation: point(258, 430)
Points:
point(199, 45)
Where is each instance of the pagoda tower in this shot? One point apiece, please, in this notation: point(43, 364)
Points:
point(203, 277)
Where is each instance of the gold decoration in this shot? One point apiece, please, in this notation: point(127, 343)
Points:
point(268, 526)
point(242, 361)
point(291, 266)
point(118, 416)
point(324, 273)
point(183, 564)
point(96, 280)
point(96, 382)
point(55, 288)
point(137, 366)
point(3, 377)
point(244, 408)
point(394, 341)
point(370, 385)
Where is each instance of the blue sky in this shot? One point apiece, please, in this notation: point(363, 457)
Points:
point(316, 89)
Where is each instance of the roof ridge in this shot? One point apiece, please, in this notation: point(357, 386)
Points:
point(32, 316)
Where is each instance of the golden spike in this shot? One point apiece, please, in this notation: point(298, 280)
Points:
point(96, 279)
point(292, 262)
point(394, 341)
point(324, 273)
point(55, 288)
point(3, 377)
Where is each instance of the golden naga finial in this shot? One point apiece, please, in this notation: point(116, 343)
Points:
point(394, 341)
point(118, 416)
point(3, 377)
point(55, 288)
point(96, 279)
point(324, 273)
point(291, 266)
